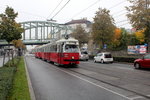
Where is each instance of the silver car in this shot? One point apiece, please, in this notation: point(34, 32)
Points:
point(103, 57)
point(84, 56)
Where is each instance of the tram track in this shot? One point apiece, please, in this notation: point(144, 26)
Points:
point(105, 82)
point(108, 83)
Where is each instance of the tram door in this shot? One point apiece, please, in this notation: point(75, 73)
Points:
point(60, 53)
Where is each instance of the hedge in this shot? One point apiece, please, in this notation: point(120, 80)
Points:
point(124, 59)
point(120, 59)
point(6, 79)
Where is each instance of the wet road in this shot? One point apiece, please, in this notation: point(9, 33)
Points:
point(90, 81)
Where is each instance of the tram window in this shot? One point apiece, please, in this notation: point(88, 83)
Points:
point(55, 48)
point(48, 49)
point(71, 48)
point(58, 48)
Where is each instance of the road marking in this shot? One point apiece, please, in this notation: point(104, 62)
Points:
point(94, 84)
point(138, 97)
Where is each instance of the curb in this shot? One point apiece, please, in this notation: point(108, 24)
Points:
point(32, 94)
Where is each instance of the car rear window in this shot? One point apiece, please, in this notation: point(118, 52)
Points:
point(84, 53)
point(108, 56)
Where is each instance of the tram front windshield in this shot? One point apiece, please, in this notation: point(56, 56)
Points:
point(71, 48)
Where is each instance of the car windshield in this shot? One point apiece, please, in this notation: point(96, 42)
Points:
point(108, 56)
point(71, 48)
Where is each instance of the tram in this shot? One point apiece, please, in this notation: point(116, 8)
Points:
point(62, 52)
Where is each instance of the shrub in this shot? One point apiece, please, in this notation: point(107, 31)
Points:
point(124, 59)
point(6, 79)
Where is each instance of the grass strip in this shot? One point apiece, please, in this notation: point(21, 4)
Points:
point(20, 89)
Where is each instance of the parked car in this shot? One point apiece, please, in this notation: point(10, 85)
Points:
point(143, 62)
point(104, 57)
point(84, 56)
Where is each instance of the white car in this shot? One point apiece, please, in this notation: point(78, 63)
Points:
point(103, 57)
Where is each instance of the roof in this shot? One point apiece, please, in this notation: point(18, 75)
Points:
point(79, 21)
point(64, 40)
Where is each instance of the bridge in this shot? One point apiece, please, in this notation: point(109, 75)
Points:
point(41, 32)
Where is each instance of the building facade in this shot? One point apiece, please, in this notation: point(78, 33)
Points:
point(86, 24)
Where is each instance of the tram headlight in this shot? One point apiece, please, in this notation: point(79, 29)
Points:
point(72, 57)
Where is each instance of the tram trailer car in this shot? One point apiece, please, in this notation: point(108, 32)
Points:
point(62, 52)
point(37, 52)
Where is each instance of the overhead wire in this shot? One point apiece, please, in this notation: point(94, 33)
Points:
point(55, 8)
point(127, 20)
point(95, 3)
point(61, 9)
point(90, 7)
point(119, 15)
point(118, 12)
point(83, 9)
point(121, 21)
point(117, 4)
point(86, 8)
point(123, 24)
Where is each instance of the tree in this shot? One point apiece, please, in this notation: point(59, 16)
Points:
point(116, 37)
point(80, 34)
point(9, 28)
point(103, 27)
point(137, 13)
point(121, 39)
point(139, 16)
point(140, 36)
point(19, 44)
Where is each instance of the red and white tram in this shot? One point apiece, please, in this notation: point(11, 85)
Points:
point(63, 52)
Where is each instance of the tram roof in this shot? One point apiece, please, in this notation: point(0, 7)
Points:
point(64, 40)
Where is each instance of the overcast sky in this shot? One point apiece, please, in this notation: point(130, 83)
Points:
point(31, 10)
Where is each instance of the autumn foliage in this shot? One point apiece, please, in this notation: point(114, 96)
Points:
point(18, 44)
point(140, 35)
point(116, 37)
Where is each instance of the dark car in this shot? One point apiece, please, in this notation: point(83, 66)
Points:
point(144, 62)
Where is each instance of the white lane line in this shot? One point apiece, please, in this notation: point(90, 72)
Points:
point(94, 84)
point(138, 97)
